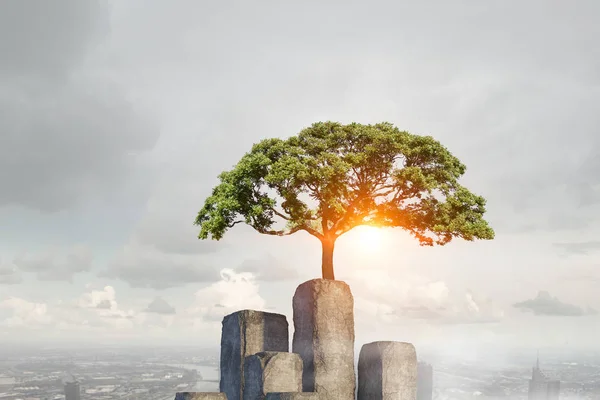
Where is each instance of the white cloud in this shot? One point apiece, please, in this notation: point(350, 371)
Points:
point(392, 298)
point(98, 312)
point(104, 304)
point(25, 313)
point(234, 292)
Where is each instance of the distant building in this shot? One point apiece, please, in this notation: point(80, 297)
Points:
point(542, 388)
point(424, 381)
point(72, 391)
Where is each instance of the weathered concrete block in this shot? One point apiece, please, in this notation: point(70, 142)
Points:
point(271, 372)
point(245, 333)
point(387, 371)
point(200, 396)
point(292, 396)
point(324, 338)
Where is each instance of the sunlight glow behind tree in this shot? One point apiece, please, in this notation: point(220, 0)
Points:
point(331, 178)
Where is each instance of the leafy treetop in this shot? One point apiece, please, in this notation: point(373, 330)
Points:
point(331, 178)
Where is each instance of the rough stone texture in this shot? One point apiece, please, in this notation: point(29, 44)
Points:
point(324, 338)
point(245, 333)
point(292, 396)
point(200, 396)
point(271, 372)
point(387, 371)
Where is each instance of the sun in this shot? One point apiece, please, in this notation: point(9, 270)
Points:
point(368, 238)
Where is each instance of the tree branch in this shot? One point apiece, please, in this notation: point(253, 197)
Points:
point(280, 214)
point(282, 232)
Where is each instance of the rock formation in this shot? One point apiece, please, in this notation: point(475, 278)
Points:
point(387, 371)
point(245, 333)
point(271, 372)
point(324, 338)
point(256, 365)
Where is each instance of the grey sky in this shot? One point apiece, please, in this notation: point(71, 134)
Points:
point(115, 119)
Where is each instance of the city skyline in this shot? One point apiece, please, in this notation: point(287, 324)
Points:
point(114, 133)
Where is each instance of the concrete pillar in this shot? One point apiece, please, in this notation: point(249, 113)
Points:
point(245, 333)
point(387, 371)
point(324, 338)
point(200, 396)
point(271, 372)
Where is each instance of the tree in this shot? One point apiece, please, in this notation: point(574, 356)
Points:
point(331, 178)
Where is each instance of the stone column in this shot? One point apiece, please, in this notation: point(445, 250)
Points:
point(387, 371)
point(292, 396)
point(200, 396)
point(271, 372)
point(324, 338)
point(245, 333)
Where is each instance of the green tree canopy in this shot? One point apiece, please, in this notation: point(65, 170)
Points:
point(331, 178)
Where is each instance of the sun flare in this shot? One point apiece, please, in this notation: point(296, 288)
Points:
point(368, 238)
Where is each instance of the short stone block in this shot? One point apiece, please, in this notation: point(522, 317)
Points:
point(271, 372)
point(292, 396)
point(245, 333)
point(387, 371)
point(200, 396)
point(324, 338)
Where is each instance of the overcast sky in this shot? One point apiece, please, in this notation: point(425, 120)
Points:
point(115, 121)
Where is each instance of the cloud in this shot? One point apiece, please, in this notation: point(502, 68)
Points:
point(97, 313)
point(9, 274)
point(68, 133)
point(64, 33)
point(170, 231)
point(160, 306)
point(104, 305)
point(268, 269)
point(57, 264)
point(24, 313)
point(145, 267)
point(579, 248)
point(104, 302)
point(415, 297)
point(545, 304)
point(234, 292)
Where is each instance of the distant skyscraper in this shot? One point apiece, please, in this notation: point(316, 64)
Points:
point(540, 387)
point(553, 390)
point(72, 391)
point(424, 381)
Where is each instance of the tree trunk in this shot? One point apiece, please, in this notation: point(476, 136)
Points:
point(327, 258)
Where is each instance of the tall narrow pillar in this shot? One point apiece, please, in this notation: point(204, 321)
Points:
point(324, 338)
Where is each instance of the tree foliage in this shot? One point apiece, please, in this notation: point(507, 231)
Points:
point(331, 178)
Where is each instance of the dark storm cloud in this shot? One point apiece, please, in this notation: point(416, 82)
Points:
point(268, 269)
point(579, 247)
point(160, 306)
point(56, 264)
point(546, 305)
point(67, 132)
